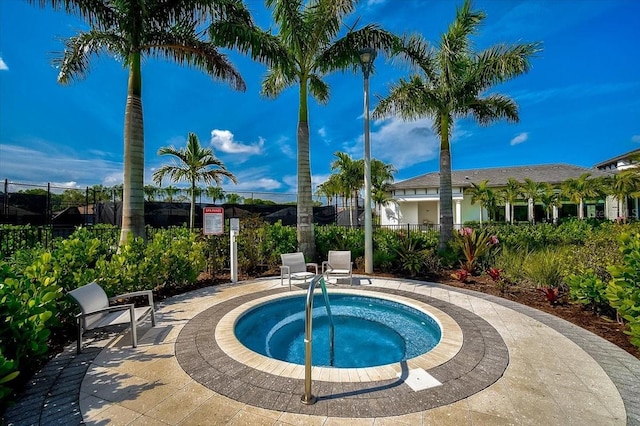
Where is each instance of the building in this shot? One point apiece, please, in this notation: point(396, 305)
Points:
point(417, 200)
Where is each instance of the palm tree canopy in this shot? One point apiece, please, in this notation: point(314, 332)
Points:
point(580, 188)
point(159, 29)
point(192, 164)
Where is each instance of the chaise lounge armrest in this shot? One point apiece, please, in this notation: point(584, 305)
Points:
point(147, 293)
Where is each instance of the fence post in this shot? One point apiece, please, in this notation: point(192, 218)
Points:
point(48, 206)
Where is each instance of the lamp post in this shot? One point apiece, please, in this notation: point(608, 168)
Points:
point(367, 56)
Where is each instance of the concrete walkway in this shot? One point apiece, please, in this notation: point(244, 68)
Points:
point(556, 373)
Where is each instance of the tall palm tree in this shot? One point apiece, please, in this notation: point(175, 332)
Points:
point(449, 84)
point(532, 191)
point(549, 198)
point(309, 32)
point(234, 198)
point(484, 196)
point(133, 30)
point(150, 192)
point(578, 189)
point(511, 193)
point(193, 164)
point(622, 186)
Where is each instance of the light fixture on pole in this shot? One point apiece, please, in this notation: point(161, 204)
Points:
point(367, 56)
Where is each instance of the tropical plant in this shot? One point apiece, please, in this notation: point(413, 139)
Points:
point(150, 192)
point(309, 33)
point(549, 198)
point(215, 193)
point(234, 198)
point(623, 185)
point(588, 290)
point(483, 195)
point(532, 191)
point(170, 192)
point(193, 164)
point(351, 177)
point(450, 85)
point(511, 193)
point(133, 30)
point(623, 291)
point(578, 189)
point(381, 180)
point(474, 244)
point(330, 188)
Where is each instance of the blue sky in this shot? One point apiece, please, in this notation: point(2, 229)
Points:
point(580, 103)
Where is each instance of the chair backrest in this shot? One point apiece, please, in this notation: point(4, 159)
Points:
point(90, 297)
point(295, 262)
point(339, 259)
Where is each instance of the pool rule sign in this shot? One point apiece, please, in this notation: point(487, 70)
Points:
point(213, 221)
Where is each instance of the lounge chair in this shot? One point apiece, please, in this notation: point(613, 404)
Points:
point(97, 311)
point(338, 264)
point(294, 267)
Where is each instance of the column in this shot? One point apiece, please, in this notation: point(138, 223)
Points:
point(507, 212)
point(555, 214)
point(458, 223)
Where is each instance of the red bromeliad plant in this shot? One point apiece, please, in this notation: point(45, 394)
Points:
point(461, 275)
point(474, 244)
point(495, 274)
point(552, 294)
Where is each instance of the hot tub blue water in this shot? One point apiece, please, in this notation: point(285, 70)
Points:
point(369, 331)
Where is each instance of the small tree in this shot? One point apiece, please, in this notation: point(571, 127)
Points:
point(194, 164)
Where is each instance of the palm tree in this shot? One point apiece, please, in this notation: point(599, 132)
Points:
point(194, 164)
point(511, 193)
point(215, 193)
point(150, 192)
point(578, 189)
point(170, 191)
point(133, 30)
point(381, 180)
point(549, 198)
point(308, 32)
point(482, 194)
point(234, 198)
point(622, 186)
point(532, 191)
point(449, 84)
point(351, 177)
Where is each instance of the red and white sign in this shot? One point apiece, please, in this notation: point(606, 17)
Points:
point(213, 221)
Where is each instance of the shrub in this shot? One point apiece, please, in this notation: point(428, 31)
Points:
point(623, 291)
point(278, 239)
point(588, 289)
point(543, 268)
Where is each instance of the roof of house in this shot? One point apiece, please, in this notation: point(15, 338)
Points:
point(498, 176)
point(618, 158)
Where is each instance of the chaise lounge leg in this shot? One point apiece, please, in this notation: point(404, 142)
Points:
point(79, 345)
point(134, 334)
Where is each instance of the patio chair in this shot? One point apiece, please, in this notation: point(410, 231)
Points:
point(97, 311)
point(294, 267)
point(338, 264)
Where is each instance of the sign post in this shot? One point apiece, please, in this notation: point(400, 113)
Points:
point(234, 229)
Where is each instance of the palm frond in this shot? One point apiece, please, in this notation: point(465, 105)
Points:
point(492, 108)
point(343, 53)
point(181, 44)
point(275, 82)
point(503, 62)
point(97, 13)
point(418, 54)
point(75, 60)
point(319, 89)
point(409, 99)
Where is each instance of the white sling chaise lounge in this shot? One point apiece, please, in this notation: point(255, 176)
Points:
point(338, 264)
point(294, 267)
point(97, 313)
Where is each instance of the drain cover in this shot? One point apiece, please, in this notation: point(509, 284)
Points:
point(418, 380)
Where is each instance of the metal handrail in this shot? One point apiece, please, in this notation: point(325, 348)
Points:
point(308, 398)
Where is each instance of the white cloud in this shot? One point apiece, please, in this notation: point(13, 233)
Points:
point(374, 2)
point(401, 143)
point(635, 138)
point(286, 148)
point(3, 65)
point(322, 132)
point(266, 184)
point(223, 140)
point(522, 137)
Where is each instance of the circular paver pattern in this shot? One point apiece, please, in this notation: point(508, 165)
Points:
point(480, 362)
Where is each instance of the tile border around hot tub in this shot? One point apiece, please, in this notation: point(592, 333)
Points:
point(447, 348)
point(480, 362)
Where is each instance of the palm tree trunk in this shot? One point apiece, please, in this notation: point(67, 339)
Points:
point(446, 198)
point(306, 240)
point(133, 185)
point(581, 210)
point(192, 212)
